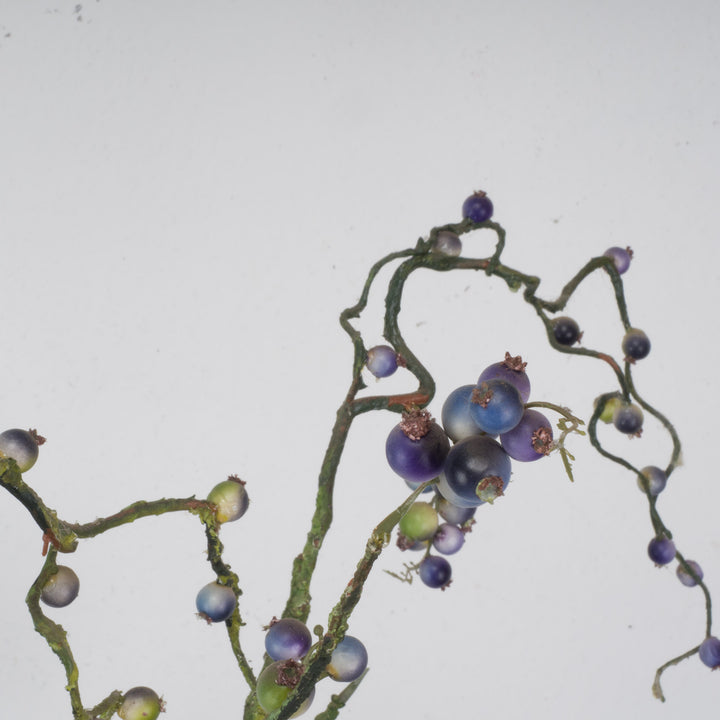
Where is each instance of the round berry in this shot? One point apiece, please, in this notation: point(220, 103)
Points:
point(530, 439)
point(287, 639)
point(22, 446)
point(685, 577)
point(420, 522)
point(416, 448)
point(620, 256)
point(477, 207)
point(140, 703)
point(661, 550)
point(348, 660)
point(512, 370)
point(435, 571)
point(496, 406)
point(455, 415)
point(276, 682)
point(447, 243)
point(448, 539)
point(628, 419)
point(230, 498)
point(609, 408)
point(453, 514)
point(381, 361)
point(635, 344)
point(655, 477)
point(477, 470)
point(566, 331)
point(215, 602)
point(709, 652)
point(61, 588)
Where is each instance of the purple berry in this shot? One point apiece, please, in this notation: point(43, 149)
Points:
point(530, 439)
point(512, 370)
point(416, 448)
point(215, 602)
point(477, 207)
point(628, 419)
point(287, 639)
point(566, 331)
point(661, 550)
point(620, 257)
point(381, 361)
point(710, 652)
point(685, 577)
point(448, 539)
point(655, 477)
point(635, 345)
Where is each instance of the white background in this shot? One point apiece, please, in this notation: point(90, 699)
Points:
point(192, 191)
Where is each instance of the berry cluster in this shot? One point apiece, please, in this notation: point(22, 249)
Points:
point(287, 642)
point(488, 424)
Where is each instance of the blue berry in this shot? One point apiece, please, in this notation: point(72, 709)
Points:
point(455, 415)
point(416, 448)
point(477, 470)
point(661, 550)
point(685, 577)
point(215, 602)
point(477, 207)
point(709, 652)
point(496, 406)
point(635, 345)
point(656, 479)
point(22, 446)
point(381, 361)
point(620, 256)
point(435, 571)
point(454, 514)
point(566, 331)
point(628, 419)
point(348, 660)
point(287, 639)
point(61, 588)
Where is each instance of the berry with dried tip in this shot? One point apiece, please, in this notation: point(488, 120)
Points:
point(22, 446)
point(141, 703)
point(435, 571)
point(276, 682)
point(661, 550)
point(621, 257)
point(381, 361)
point(61, 588)
point(215, 602)
point(416, 448)
point(512, 370)
point(635, 345)
point(455, 415)
point(685, 577)
point(496, 406)
point(348, 660)
point(566, 331)
point(477, 207)
point(230, 498)
point(287, 639)
point(530, 439)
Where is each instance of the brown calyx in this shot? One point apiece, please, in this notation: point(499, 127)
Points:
point(482, 395)
point(514, 363)
point(416, 423)
point(542, 440)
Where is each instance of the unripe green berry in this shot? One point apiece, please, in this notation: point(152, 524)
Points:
point(230, 498)
point(420, 522)
point(141, 703)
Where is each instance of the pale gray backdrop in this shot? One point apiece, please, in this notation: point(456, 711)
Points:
point(192, 191)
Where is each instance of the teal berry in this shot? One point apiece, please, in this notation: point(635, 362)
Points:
point(141, 703)
point(61, 588)
point(348, 660)
point(22, 446)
